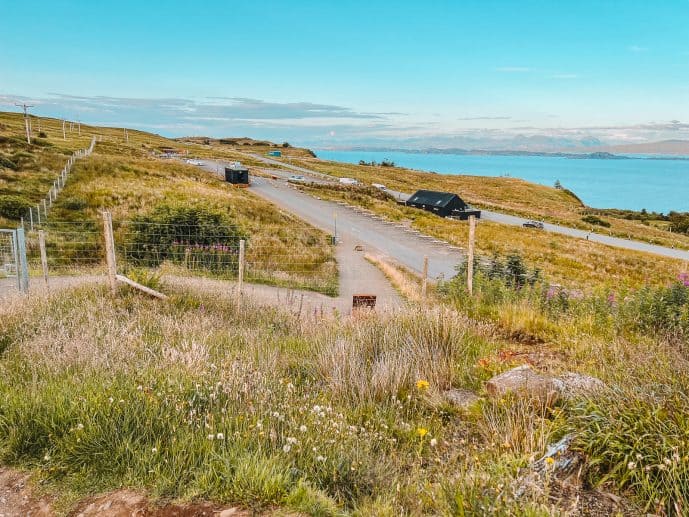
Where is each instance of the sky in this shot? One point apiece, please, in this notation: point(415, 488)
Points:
point(475, 74)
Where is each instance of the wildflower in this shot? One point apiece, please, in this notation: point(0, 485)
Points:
point(320, 459)
point(220, 436)
point(433, 442)
point(421, 431)
point(631, 465)
point(549, 460)
point(46, 457)
point(154, 450)
point(80, 426)
point(675, 457)
point(667, 461)
point(422, 385)
point(287, 447)
point(302, 428)
point(639, 456)
point(211, 436)
point(292, 440)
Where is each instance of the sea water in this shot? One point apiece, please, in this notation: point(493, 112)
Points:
point(635, 183)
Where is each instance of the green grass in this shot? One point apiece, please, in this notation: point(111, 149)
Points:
point(130, 180)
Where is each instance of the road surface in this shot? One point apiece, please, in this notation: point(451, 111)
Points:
point(354, 228)
point(512, 220)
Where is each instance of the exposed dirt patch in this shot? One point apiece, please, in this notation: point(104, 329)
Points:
point(18, 499)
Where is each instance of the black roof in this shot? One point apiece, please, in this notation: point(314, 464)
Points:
point(433, 198)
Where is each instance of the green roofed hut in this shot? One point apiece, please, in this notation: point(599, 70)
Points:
point(443, 204)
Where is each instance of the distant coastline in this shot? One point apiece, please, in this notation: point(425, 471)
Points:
point(599, 155)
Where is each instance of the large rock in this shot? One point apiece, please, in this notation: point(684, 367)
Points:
point(526, 382)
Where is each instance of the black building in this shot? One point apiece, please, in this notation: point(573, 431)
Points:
point(237, 175)
point(444, 204)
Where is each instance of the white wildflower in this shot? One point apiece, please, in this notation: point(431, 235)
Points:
point(287, 447)
point(631, 465)
point(154, 450)
point(303, 428)
point(433, 442)
point(320, 459)
point(211, 436)
point(292, 440)
point(220, 436)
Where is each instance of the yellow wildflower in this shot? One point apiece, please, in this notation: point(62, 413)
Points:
point(421, 431)
point(549, 460)
point(422, 384)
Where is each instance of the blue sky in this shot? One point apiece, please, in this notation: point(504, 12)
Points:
point(357, 72)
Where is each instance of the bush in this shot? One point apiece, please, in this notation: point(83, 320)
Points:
point(13, 207)
point(195, 236)
point(74, 203)
point(42, 134)
point(593, 219)
point(7, 163)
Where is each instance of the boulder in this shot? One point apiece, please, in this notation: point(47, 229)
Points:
point(524, 381)
point(462, 399)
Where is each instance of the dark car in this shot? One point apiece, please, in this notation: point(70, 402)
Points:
point(533, 224)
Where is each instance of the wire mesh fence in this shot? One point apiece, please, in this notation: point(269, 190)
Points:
point(297, 257)
point(8, 255)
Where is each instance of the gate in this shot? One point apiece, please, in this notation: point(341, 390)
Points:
point(14, 270)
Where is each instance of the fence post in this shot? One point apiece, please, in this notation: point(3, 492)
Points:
point(110, 251)
point(31, 217)
point(44, 256)
point(240, 275)
point(470, 255)
point(38, 213)
point(22, 265)
point(424, 280)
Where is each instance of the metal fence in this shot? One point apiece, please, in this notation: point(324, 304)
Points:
point(291, 257)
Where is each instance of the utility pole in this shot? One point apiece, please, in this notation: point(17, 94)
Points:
point(26, 107)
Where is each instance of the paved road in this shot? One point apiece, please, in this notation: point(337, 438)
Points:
point(357, 227)
point(512, 220)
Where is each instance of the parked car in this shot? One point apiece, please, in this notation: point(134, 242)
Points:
point(379, 186)
point(296, 177)
point(348, 181)
point(533, 224)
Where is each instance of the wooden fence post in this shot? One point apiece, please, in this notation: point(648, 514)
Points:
point(110, 251)
point(240, 274)
point(424, 280)
point(44, 255)
point(470, 255)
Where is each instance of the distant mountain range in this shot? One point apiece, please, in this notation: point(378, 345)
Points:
point(673, 147)
point(663, 150)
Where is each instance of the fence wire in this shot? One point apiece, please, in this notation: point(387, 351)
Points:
point(295, 257)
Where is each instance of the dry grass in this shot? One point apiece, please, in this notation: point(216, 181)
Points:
point(565, 260)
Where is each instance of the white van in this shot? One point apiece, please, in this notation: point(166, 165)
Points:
point(348, 181)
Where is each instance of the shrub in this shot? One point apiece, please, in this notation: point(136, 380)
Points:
point(42, 134)
point(195, 236)
point(594, 219)
point(13, 207)
point(74, 203)
point(7, 163)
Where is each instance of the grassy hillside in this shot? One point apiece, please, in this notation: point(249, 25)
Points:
point(562, 259)
point(130, 180)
